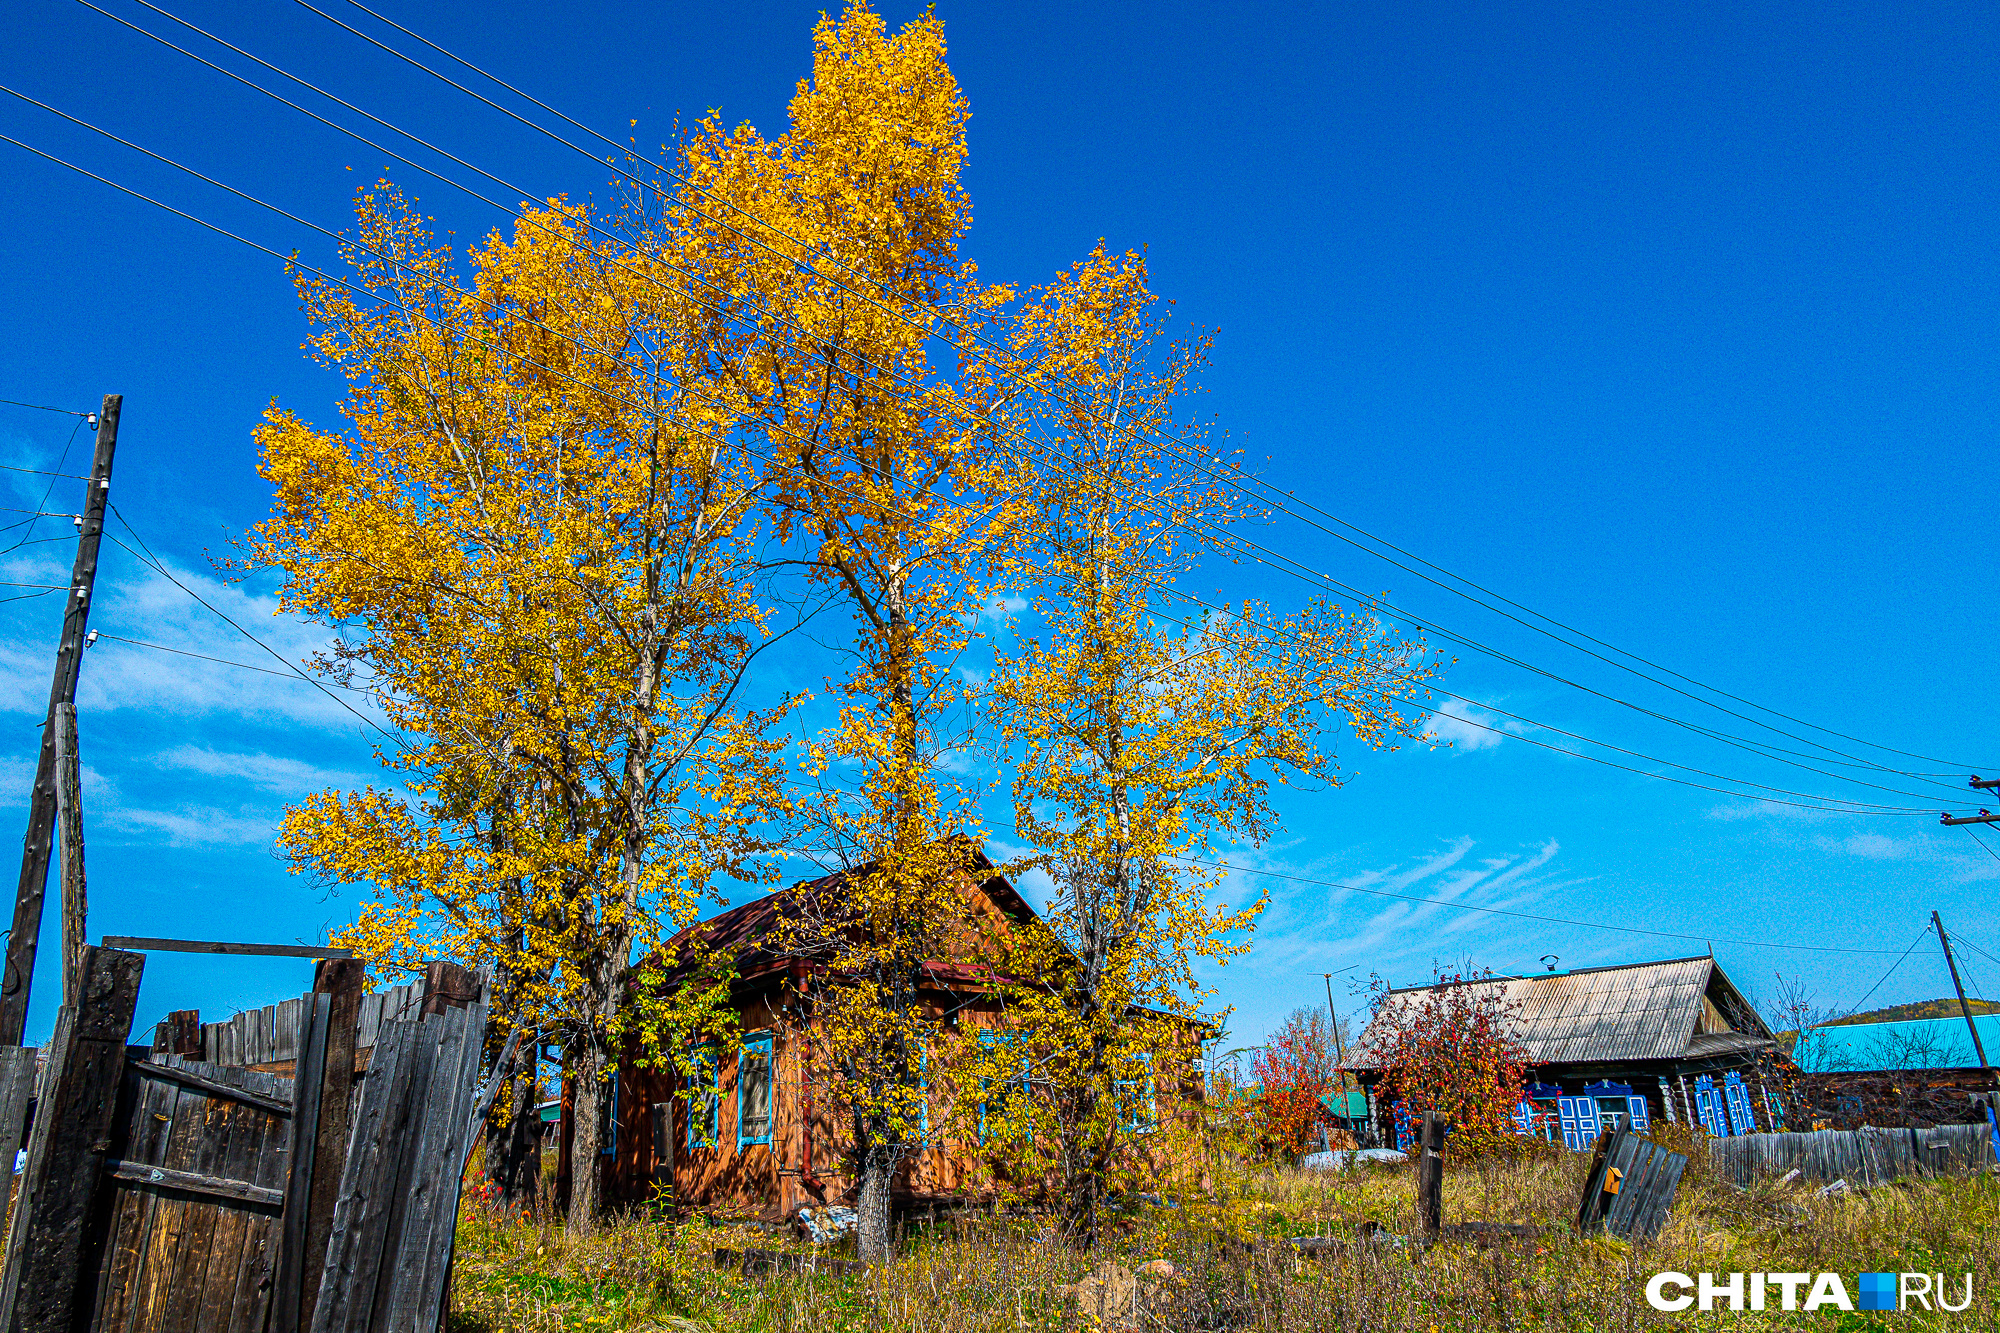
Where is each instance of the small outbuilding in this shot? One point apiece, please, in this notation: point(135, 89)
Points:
point(1610, 1046)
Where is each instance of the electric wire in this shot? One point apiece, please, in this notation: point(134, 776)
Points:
point(35, 471)
point(1865, 806)
point(48, 490)
point(1922, 935)
point(1981, 841)
point(308, 268)
point(1762, 749)
point(1862, 807)
point(1227, 478)
point(39, 408)
point(223, 661)
point(152, 562)
point(1526, 916)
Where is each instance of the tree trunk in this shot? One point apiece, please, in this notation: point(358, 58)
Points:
point(585, 1167)
point(513, 1146)
point(871, 1231)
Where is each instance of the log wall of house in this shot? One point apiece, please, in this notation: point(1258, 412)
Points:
point(775, 1180)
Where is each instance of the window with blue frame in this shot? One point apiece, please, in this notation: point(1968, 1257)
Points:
point(704, 1097)
point(753, 1090)
point(997, 1096)
point(1137, 1098)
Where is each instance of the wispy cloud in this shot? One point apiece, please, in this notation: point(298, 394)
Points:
point(1307, 925)
point(1467, 726)
point(266, 772)
point(195, 826)
point(1869, 847)
point(149, 608)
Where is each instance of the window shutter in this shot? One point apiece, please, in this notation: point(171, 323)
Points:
point(1707, 1107)
point(1572, 1130)
point(1640, 1120)
point(1587, 1122)
point(1524, 1117)
point(1740, 1119)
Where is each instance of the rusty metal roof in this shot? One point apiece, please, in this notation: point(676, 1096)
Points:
point(1638, 1011)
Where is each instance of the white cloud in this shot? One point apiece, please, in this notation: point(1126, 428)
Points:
point(1467, 726)
point(1868, 846)
point(267, 772)
point(148, 607)
point(196, 826)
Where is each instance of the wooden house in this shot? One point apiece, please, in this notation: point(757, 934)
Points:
point(1611, 1046)
point(755, 1133)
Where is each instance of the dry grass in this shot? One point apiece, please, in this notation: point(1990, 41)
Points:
point(990, 1275)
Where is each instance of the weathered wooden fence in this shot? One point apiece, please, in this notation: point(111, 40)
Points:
point(267, 1038)
point(1864, 1156)
point(168, 1194)
point(1630, 1187)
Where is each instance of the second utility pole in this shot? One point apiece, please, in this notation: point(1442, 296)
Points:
point(1978, 1048)
point(20, 966)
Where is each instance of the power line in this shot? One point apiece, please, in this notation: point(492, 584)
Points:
point(39, 408)
point(1224, 477)
point(49, 490)
point(1981, 841)
point(1762, 749)
point(1866, 806)
point(1525, 916)
point(34, 471)
point(1922, 935)
point(223, 661)
point(153, 562)
point(642, 407)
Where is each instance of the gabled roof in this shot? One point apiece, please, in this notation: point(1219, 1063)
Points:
point(1598, 1015)
point(744, 933)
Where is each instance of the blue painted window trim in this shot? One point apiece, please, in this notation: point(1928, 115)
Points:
point(753, 1043)
point(704, 1101)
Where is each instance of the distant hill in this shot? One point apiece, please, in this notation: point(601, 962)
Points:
point(1903, 1013)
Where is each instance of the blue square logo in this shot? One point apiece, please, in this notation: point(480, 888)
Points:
point(1878, 1291)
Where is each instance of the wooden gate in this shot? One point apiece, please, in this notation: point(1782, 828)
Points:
point(167, 1194)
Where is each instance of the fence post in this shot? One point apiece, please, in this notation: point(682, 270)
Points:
point(72, 1136)
point(343, 979)
point(1430, 1176)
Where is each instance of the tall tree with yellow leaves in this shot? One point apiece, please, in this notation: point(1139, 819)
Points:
point(530, 539)
point(1147, 727)
point(891, 490)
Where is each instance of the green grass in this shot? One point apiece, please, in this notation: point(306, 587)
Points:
point(990, 1275)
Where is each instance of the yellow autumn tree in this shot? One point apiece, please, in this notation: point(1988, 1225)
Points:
point(1146, 730)
point(890, 490)
point(529, 538)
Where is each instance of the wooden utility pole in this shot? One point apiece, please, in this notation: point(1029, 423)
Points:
point(1978, 1047)
point(20, 966)
point(69, 843)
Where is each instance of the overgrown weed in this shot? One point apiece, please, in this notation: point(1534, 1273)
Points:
point(989, 1275)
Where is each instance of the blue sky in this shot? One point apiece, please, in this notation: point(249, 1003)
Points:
point(1676, 326)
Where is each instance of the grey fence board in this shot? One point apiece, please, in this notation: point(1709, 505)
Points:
point(17, 1086)
point(1866, 1156)
point(388, 1256)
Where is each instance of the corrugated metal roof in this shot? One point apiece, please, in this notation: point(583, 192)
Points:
point(1641, 1011)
